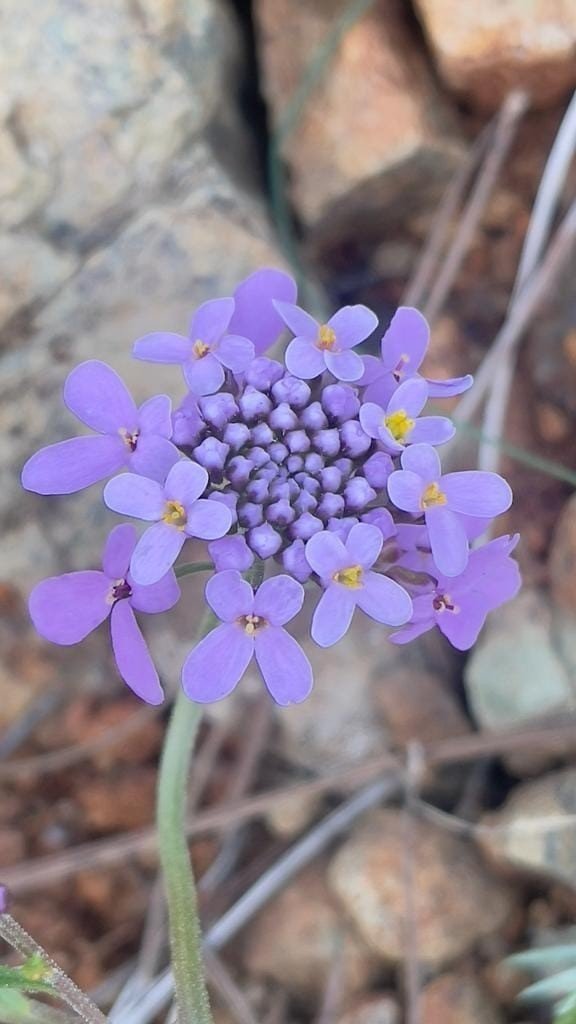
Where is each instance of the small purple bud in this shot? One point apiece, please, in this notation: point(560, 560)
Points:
point(381, 518)
point(290, 389)
point(212, 454)
point(295, 464)
point(262, 435)
point(280, 489)
point(340, 402)
point(330, 479)
point(313, 417)
point(280, 513)
point(295, 562)
point(314, 463)
point(218, 409)
point(268, 472)
point(311, 485)
point(264, 541)
point(231, 553)
point(263, 372)
point(238, 471)
point(377, 469)
point(236, 435)
point(354, 440)
point(257, 490)
point(358, 494)
point(229, 499)
point(278, 452)
point(258, 457)
point(297, 441)
point(254, 405)
point(283, 417)
point(187, 424)
point(342, 527)
point(305, 502)
point(305, 527)
point(327, 442)
point(330, 505)
point(345, 466)
point(250, 514)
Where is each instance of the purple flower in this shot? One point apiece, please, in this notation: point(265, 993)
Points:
point(208, 349)
point(255, 316)
point(345, 573)
point(400, 423)
point(403, 349)
point(459, 605)
point(251, 626)
point(65, 609)
point(419, 488)
point(231, 553)
point(177, 511)
point(318, 347)
point(126, 435)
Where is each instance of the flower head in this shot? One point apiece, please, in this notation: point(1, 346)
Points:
point(400, 423)
point(65, 609)
point(318, 347)
point(252, 626)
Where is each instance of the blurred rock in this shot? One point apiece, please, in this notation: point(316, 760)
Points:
point(12, 847)
point(416, 705)
point(457, 999)
point(291, 815)
point(296, 938)
point(375, 140)
point(486, 50)
point(563, 559)
point(535, 830)
point(457, 902)
point(119, 802)
point(32, 270)
point(375, 1009)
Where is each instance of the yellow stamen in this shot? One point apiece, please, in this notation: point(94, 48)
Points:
point(252, 623)
point(326, 338)
point(399, 424)
point(444, 603)
point(174, 515)
point(432, 497)
point(350, 577)
point(200, 349)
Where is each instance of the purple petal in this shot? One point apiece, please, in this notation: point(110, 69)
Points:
point(278, 600)
point(118, 551)
point(477, 493)
point(155, 416)
point(65, 609)
point(159, 597)
point(325, 554)
point(371, 418)
point(217, 664)
point(380, 391)
point(99, 398)
point(255, 316)
point(300, 323)
point(132, 656)
point(211, 320)
point(373, 370)
point(155, 553)
point(411, 632)
point(384, 600)
point(449, 388)
point(423, 460)
point(364, 544)
point(405, 490)
point(405, 341)
point(185, 482)
point(229, 596)
point(231, 553)
point(352, 324)
point(284, 666)
point(163, 347)
point(303, 359)
point(208, 519)
point(70, 466)
point(462, 628)
point(235, 352)
point(205, 375)
point(411, 396)
point(345, 365)
point(448, 540)
point(137, 496)
point(333, 615)
point(154, 457)
point(432, 430)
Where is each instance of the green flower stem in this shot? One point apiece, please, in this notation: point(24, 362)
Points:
point(189, 568)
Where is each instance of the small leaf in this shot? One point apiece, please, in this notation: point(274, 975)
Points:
point(543, 959)
point(559, 985)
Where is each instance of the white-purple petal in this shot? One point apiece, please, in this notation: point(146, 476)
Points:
point(326, 554)
point(278, 599)
point(65, 609)
point(284, 666)
point(155, 553)
point(153, 457)
point(372, 418)
point(217, 664)
point(352, 324)
point(185, 482)
point(158, 597)
point(449, 388)
point(333, 615)
point(411, 396)
point(137, 496)
point(384, 600)
point(405, 490)
point(423, 460)
point(208, 519)
point(155, 416)
point(132, 656)
point(118, 551)
point(255, 316)
point(432, 430)
point(344, 365)
point(99, 398)
point(448, 540)
point(204, 375)
point(477, 493)
point(163, 347)
point(462, 627)
point(235, 352)
point(229, 595)
point(298, 320)
point(211, 320)
point(405, 341)
point(364, 544)
point(69, 466)
point(303, 359)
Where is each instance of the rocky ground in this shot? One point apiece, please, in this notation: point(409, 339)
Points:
point(133, 187)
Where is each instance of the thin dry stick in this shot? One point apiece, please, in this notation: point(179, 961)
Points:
point(412, 979)
point(222, 981)
point(512, 110)
point(333, 989)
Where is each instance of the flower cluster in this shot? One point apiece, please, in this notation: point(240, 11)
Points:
point(320, 469)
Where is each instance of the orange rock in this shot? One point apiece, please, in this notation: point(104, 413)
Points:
point(457, 999)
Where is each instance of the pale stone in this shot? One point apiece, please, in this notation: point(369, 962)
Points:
point(32, 270)
point(457, 999)
point(374, 1009)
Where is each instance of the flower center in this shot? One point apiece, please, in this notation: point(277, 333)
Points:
point(119, 591)
point(200, 349)
point(174, 515)
point(326, 338)
point(444, 603)
point(251, 624)
point(432, 497)
point(350, 577)
point(130, 438)
point(399, 424)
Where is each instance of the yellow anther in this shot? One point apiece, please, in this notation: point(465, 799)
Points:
point(174, 515)
point(350, 577)
point(432, 497)
point(200, 349)
point(399, 424)
point(252, 623)
point(326, 337)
